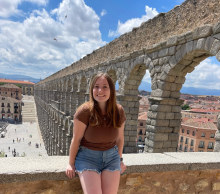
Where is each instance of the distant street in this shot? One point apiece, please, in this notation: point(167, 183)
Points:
point(23, 134)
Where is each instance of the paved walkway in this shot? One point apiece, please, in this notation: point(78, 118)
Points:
point(24, 130)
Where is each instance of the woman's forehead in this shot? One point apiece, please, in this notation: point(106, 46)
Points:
point(101, 80)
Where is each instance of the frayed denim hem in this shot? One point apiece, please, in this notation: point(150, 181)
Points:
point(85, 169)
point(113, 170)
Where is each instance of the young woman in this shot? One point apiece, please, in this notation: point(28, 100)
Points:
point(98, 139)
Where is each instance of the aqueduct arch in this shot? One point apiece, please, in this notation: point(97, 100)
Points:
point(169, 46)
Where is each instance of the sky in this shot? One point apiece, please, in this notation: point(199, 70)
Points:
point(40, 37)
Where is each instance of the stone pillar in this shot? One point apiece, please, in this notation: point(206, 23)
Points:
point(55, 137)
point(68, 142)
point(217, 137)
point(131, 108)
point(59, 139)
point(67, 104)
point(63, 142)
point(72, 103)
point(80, 98)
point(163, 124)
point(86, 97)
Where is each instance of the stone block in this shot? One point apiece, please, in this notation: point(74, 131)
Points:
point(200, 44)
point(217, 134)
point(156, 62)
point(216, 28)
point(183, 50)
point(158, 136)
point(171, 149)
point(163, 53)
point(163, 85)
point(148, 121)
point(154, 55)
point(173, 87)
point(185, 62)
point(202, 32)
point(180, 80)
point(216, 186)
point(168, 78)
point(188, 69)
point(208, 43)
point(133, 122)
point(175, 94)
point(172, 50)
point(201, 184)
point(139, 60)
point(132, 144)
point(125, 133)
point(174, 144)
point(175, 123)
point(160, 93)
point(147, 61)
point(169, 115)
point(166, 68)
point(152, 72)
point(166, 144)
point(189, 47)
point(153, 144)
point(130, 104)
point(132, 133)
point(157, 69)
point(177, 116)
point(176, 129)
point(178, 56)
point(133, 139)
point(133, 110)
point(126, 138)
point(154, 85)
point(173, 40)
point(160, 62)
point(134, 116)
point(172, 61)
point(160, 123)
point(161, 108)
point(215, 47)
point(155, 129)
point(217, 36)
point(173, 136)
point(176, 109)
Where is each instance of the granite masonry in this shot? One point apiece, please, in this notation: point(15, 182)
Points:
point(169, 46)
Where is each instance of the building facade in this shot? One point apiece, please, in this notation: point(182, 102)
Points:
point(197, 135)
point(10, 90)
point(27, 87)
point(10, 109)
point(141, 129)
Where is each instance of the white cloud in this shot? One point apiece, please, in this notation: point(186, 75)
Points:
point(206, 75)
point(9, 7)
point(29, 47)
point(103, 12)
point(134, 22)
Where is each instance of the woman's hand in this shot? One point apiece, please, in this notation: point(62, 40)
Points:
point(70, 171)
point(123, 167)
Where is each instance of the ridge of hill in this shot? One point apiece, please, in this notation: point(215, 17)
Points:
point(19, 77)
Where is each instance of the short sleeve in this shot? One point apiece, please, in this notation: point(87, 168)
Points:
point(83, 114)
point(122, 115)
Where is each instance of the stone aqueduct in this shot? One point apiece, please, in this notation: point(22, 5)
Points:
point(169, 46)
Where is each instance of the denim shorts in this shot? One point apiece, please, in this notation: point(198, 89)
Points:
point(92, 160)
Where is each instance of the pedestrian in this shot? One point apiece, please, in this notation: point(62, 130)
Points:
point(13, 140)
point(15, 130)
point(17, 139)
point(23, 139)
point(101, 121)
point(5, 155)
point(9, 149)
point(14, 154)
point(14, 150)
point(40, 144)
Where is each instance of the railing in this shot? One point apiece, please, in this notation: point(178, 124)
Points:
point(140, 133)
point(2, 111)
point(8, 106)
point(15, 111)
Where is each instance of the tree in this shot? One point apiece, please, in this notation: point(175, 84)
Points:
point(185, 107)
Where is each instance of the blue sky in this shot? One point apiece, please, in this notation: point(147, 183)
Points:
point(28, 29)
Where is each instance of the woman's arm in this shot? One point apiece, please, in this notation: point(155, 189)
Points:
point(78, 132)
point(120, 141)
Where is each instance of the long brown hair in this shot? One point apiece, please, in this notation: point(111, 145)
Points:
point(113, 115)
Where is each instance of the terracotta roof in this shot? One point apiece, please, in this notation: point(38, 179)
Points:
point(203, 110)
point(143, 117)
point(203, 123)
point(9, 86)
point(16, 81)
point(8, 99)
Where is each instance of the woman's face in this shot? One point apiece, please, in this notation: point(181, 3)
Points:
point(101, 90)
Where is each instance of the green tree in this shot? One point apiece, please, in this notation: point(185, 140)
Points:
point(185, 107)
point(2, 154)
point(19, 85)
point(2, 83)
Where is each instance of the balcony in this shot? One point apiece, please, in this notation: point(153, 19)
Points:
point(8, 111)
point(15, 106)
point(2, 111)
point(16, 112)
point(3, 105)
point(8, 106)
point(140, 133)
point(50, 171)
point(210, 147)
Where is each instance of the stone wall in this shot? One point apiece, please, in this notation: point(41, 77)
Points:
point(173, 173)
point(181, 19)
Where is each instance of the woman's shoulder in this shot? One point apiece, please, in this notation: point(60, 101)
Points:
point(84, 108)
point(120, 107)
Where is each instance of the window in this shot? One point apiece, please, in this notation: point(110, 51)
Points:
point(187, 131)
point(210, 145)
point(212, 135)
point(200, 150)
point(193, 133)
point(182, 130)
point(187, 140)
point(180, 148)
point(139, 138)
point(185, 150)
point(141, 124)
point(140, 132)
point(191, 150)
point(192, 142)
point(181, 139)
point(203, 135)
point(201, 144)
point(5, 92)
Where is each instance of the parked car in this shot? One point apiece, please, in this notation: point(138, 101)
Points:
point(2, 134)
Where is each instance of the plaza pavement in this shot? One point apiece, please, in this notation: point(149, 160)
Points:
point(23, 130)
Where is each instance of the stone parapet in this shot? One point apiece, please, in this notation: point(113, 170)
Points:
point(154, 173)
